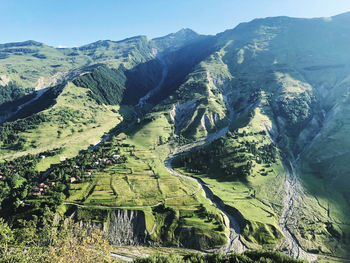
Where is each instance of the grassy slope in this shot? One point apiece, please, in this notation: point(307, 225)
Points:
point(207, 84)
point(305, 80)
point(254, 198)
point(26, 69)
point(74, 123)
point(324, 167)
point(32, 64)
point(143, 183)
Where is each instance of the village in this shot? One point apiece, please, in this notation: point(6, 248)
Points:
point(40, 189)
point(24, 188)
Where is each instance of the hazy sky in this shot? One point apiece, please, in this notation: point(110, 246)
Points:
point(77, 22)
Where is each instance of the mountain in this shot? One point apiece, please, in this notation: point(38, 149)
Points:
point(235, 141)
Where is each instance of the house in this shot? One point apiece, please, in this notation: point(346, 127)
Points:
point(96, 163)
point(72, 179)
point(87, 173)
point(36, 189)
point(36, 193)
point(51, 183)
point(76, 166)
point(116, 156)
point(42, 185)
point(42, 156)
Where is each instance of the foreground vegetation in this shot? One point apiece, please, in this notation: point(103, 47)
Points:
point(66, 241)
point(247, 257)
point(52, 242)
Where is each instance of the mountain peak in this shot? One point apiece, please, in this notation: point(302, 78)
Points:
point(186, 31)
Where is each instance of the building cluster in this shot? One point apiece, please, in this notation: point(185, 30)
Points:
point(38, 190)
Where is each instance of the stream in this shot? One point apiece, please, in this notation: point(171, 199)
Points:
point(291, 186)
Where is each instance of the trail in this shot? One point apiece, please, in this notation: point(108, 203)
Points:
point(122, 257)
point(113, 207)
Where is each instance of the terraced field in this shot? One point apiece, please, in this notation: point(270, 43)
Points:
point(143, 183)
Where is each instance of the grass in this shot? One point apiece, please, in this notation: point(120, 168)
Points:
point(324, 171)
point(71, 125)
point(143, 182)
point(259, 198)
point(29, 71)
point(139, 251)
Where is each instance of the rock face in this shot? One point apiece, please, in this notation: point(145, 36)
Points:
point(127, 227)
point(182, 113)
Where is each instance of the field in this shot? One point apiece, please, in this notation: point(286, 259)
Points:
point(143, 183)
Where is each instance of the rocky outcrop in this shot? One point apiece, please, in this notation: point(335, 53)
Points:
point(181, 114)
point(127, 227)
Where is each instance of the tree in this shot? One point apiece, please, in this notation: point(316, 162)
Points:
point(6, 238)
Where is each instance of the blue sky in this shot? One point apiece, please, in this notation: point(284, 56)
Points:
point(78, 22)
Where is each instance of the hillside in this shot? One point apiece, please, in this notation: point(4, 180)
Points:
point(235, 141)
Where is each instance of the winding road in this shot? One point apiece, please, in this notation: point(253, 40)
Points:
point(234, 242)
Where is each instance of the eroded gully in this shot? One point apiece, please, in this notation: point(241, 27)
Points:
point(293, 189)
